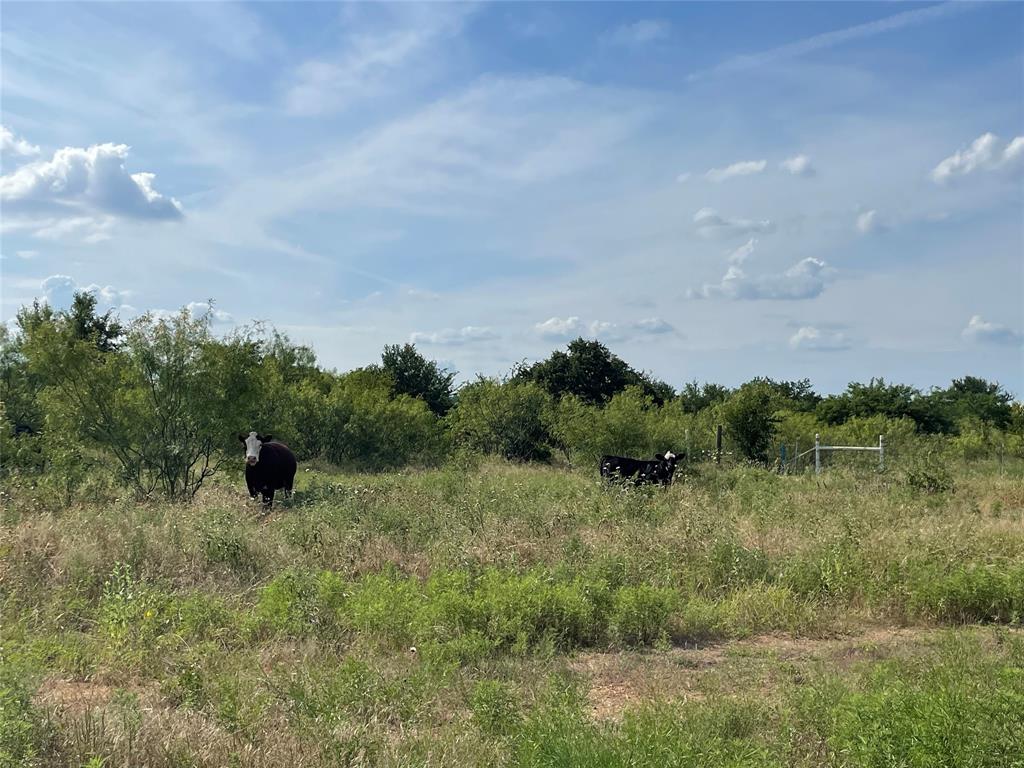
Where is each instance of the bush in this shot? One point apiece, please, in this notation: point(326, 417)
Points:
point(749, 415)
point(507, 419)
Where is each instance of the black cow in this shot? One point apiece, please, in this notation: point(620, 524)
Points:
point(660, 470)
point(268, 467)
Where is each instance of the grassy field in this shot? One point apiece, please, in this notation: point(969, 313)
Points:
point(500, 615)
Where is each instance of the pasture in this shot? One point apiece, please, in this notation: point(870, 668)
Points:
point(489, 613)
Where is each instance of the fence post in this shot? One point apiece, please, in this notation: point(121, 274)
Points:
point(817, 454)
point(689, 451)
point(718, 445)
point(881, 453)
point(782, 459)
point(796, 455)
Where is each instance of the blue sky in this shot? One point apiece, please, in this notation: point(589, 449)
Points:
point(717, 191)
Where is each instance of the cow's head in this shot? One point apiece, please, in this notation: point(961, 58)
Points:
point(253, 442)
point(666, 465)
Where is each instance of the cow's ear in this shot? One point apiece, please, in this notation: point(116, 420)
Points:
point(266, 438)
point(659, 456)
point(241, 437)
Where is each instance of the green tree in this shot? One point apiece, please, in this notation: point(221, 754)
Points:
point(508, 419)
point(749, 415)
point(415, 376)
point(694, 397)
point(591, 372)
point(166, 405)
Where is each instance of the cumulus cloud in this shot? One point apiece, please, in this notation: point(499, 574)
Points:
point(682, 178)
point(10, 144)
point(711, 224)
point(203, 308)
point(59, 291)
point(804, 280)
point(92, 179)
point(809, 337)
point(982, 332)
point(639, 32)
point(868, 222)
point(744, 168)
point(986, 153)
point(556, 328)
point(798, 165)
point(452, 337)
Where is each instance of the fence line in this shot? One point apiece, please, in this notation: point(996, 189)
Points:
point(818, 448)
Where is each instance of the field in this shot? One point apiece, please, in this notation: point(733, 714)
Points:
point(494, 614)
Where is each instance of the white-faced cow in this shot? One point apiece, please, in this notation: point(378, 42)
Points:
point(269, 466)
point(660, 470)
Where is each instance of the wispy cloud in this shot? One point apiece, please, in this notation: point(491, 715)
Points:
point(743, 168)
point(869, 222)
point(638, 32)
point(710, 224)
point(837, 37)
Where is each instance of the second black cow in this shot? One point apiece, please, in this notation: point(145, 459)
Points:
point(640, 471)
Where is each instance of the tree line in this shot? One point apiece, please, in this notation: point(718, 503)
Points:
point(155, 405)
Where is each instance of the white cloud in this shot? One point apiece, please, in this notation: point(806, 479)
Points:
point(742, 253)
point(868, 222)
point(451, 337)
point(711, 224)
point(744, 168)
point(984, 154)
point(27, 255)
point(804, 280)
point(59, 291)
point(798, 165)
point(202, 308)
point(419, 293)
point(809, 337)
point(682, 178)
point(91, 180)
point(653, 325)
point(560, 328)
point(607, 331)
point(639, 32)
point(983, 332)
point(11, 145)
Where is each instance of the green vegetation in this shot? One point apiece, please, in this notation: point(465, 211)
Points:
point(452, 584)
point(507, 614)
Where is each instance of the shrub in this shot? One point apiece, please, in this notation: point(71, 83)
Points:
point(507, 419)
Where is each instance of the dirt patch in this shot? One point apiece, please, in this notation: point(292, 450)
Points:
point(758, 665)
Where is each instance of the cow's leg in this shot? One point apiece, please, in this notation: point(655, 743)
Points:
point(289, 483)
point(268, 498)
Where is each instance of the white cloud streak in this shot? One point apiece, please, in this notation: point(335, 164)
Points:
point(711, 224)
point(828, 40)
point(10, 144)
point(742, 168)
